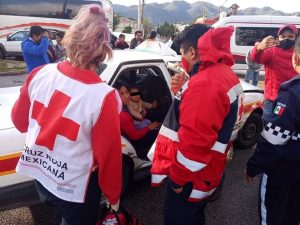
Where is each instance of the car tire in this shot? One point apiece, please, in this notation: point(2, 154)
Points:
point(127, 168)
point(247, 136)
point(2, 54)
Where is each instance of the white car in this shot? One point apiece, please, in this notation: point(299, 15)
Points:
point(11, 46)
point(148, 71)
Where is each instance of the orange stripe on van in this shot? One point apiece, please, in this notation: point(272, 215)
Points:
point(8, 163)
point(61, 25)
point(249, 107)
point(7, 172)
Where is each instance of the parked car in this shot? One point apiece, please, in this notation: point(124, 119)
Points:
point(11, 46)
point(150, 73)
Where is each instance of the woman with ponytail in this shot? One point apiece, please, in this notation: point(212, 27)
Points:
point(73, 144)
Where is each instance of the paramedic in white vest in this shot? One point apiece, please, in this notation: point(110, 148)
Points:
point(73, 143)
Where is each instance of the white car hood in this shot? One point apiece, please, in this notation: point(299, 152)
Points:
point(8, 97)
point(249, 87)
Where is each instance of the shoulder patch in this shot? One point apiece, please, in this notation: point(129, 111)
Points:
point(279, 109)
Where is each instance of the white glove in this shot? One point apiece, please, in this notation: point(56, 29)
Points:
point(116, 206)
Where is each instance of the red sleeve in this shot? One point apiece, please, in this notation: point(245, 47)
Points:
point(261, 57)
point(200, 122)
point(20, 110)
point(107, 150)
point(128, 128)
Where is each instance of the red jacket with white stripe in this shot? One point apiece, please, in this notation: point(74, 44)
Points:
point(278, 68)
point(195, 149)
point(72, 122)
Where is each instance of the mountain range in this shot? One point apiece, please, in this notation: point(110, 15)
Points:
point(184, 12)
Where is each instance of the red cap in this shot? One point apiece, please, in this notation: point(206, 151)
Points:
point(290, 27)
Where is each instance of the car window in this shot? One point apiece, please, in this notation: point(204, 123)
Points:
point(19, 36)
point(247, 36)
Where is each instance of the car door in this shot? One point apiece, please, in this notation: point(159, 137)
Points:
point(153, 80)
point(13, 44)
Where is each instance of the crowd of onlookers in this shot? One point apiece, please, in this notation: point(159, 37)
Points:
point(120, 42)
point(40, 48)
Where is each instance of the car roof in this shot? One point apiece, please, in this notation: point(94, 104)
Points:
point(259, 19)
point(133, 56)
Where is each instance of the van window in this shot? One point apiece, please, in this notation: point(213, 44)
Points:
point(247, 36)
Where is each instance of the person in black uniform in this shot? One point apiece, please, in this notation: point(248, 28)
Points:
point(277, 155)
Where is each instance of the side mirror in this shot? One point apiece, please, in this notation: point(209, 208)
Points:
point(8, 39)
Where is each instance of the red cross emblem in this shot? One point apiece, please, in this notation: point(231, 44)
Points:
point(52, 121)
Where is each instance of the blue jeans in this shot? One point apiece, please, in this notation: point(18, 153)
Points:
point(267, 109)
point(279, 189)
point(252, 75)
point(178, 211)
point(141, 124)
point(72, 213)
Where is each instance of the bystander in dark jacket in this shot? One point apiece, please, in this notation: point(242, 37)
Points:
point(138, 39)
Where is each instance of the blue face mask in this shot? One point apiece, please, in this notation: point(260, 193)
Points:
point(286, 44)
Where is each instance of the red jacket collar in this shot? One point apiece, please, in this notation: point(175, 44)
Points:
point(75, 73)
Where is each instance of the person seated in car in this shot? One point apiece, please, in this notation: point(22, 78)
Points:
point(141, 139)
point(138, 108)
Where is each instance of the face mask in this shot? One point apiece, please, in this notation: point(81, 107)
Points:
point(286, 44)
point(185, 64)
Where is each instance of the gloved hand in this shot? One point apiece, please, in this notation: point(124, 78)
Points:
point(116, 206)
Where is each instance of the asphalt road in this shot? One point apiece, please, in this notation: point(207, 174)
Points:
point(237, 205)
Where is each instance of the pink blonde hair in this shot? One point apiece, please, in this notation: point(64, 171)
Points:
point(87, 40)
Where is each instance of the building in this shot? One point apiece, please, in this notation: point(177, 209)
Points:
point(126, 22)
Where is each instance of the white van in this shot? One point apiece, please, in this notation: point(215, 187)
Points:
point(250, 29)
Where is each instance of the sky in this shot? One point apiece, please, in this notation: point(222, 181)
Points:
point(283, 5)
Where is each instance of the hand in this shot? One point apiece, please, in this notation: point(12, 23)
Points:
point(154, 104)
point(155, 125)
point(248, 178)
point(178, 190)
point(116, 206)
point(267, 42)
point(177, 82)
point(46, 34)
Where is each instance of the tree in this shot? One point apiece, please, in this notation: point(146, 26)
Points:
point(166, 29)
point(116, 21)
point(127, 30)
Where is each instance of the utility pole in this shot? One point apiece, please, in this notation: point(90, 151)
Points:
point(204, 10)
point(141, 14)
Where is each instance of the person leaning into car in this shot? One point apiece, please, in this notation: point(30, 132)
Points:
point(192, 144)
point(277, 155)
point(73, 143)
point(35, 48)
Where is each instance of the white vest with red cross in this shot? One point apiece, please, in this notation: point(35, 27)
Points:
point(58, 151)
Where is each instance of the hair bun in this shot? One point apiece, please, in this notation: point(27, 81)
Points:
point(95, 10)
